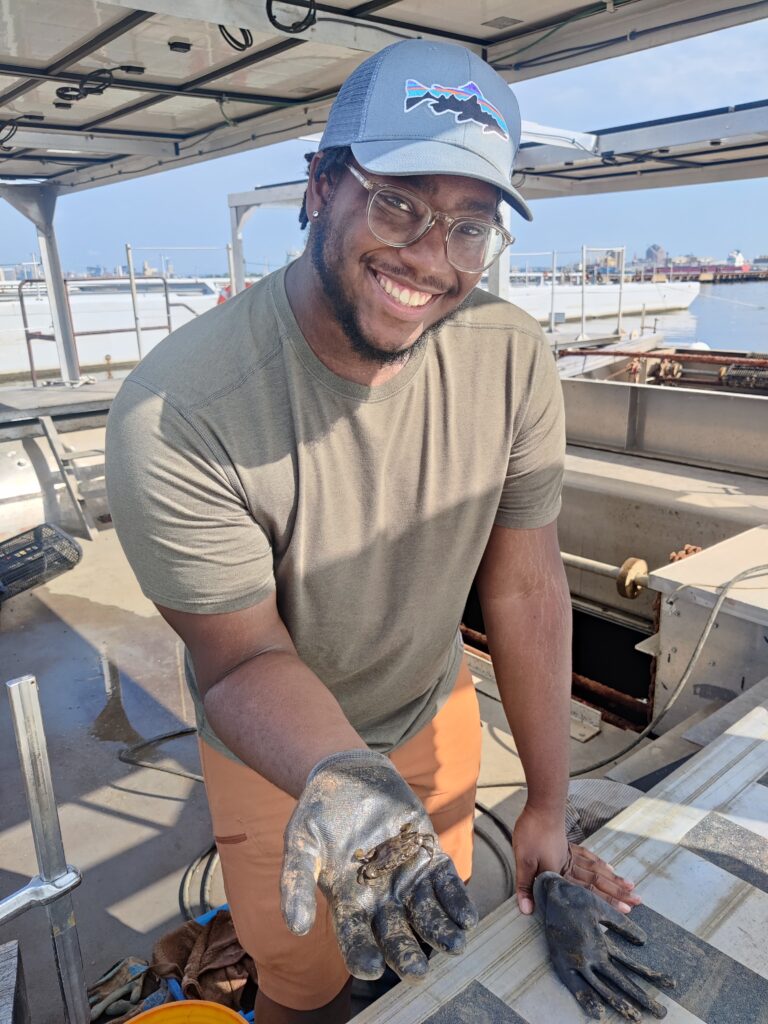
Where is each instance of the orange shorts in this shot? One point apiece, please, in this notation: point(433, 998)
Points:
point(441, 764)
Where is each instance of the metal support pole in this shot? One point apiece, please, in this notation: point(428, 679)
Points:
point(236, 216)
point(44, 819)
point(231, 265)
point(498, 274)
point(583, 336)
point(37, 203)
point(623, 252)
point(59, 305)
point(552, 297)
point(134, 297)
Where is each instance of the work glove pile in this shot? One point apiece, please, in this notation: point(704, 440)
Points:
point(383, 898)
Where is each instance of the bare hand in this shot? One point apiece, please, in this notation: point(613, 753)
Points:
point(540, 844)
point(588, 870)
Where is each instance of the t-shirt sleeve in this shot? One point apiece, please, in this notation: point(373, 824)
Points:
point(532, 489)
point(179, 511)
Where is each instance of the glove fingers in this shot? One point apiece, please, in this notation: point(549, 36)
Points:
point(453, 895)
point(431, 923)
point(622, 924)
point(606, 993)
point(359, 949)
point(626, 984)
point(298, 882)
point(401, 950)
point(584, 995)
point(662, 980)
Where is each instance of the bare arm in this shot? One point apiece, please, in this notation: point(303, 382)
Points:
point(262, 701)
point(527, 613)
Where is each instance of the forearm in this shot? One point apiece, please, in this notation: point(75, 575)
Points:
point(529, 637)
point(279, 718)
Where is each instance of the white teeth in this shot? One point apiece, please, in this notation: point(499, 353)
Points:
point(403, 295)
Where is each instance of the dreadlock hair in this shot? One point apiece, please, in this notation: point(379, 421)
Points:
point(331, 164)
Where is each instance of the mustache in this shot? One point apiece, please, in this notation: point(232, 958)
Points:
point(428, 283)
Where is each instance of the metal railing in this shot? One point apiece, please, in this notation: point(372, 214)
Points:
point(554, 274)
point(31, 335)
point(52, 886)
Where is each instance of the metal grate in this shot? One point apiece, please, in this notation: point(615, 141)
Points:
point(34, 557)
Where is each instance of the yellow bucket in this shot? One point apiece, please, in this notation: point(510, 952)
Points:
point(190, 1011)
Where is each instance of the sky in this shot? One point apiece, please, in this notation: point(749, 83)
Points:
point(188, 206)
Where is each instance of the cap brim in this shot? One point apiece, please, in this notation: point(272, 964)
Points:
point(409, 156)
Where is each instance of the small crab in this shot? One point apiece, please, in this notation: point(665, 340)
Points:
point(392, 853)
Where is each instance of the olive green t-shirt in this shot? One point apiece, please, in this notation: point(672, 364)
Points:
point(239, 464)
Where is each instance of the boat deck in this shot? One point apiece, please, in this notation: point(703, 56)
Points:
point(72, 408)
point(109, 673)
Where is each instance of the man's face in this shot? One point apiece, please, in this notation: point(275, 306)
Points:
point(359, 273)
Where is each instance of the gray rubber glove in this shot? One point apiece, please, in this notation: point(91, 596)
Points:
point(381, 898)
point(584, 956)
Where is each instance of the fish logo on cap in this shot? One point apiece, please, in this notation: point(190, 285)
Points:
point(466, 103)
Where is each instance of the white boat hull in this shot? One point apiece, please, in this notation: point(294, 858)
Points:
point(602, 300)
point(107, 313)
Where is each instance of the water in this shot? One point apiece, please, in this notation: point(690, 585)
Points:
point(725, 316)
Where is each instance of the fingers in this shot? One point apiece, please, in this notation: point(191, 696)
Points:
point(453, 895)
point(622, 925)
point(619, 1003)
point(585, 995)
point(430, 921)
point(662, 980)
point(359, 949)
point(401, 950)
point(525, 874)
point(587, 869)
point(626, 984)
point(586, 859)
point(298, 881)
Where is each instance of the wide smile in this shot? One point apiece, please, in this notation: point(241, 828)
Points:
point(406, 302)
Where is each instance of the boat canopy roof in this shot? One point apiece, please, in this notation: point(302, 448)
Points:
point(93, 93)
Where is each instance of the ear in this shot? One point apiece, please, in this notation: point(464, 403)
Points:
point(319, 191)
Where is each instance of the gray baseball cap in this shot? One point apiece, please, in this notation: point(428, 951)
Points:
point(420, 107)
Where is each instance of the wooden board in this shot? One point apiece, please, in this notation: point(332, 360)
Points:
point(696, 847)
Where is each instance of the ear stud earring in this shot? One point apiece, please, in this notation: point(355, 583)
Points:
point(315, 213)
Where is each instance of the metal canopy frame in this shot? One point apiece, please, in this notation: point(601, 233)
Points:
point(229, 113)
point(136, 119)
point(713, 145)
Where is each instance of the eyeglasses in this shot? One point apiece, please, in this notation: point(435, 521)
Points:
point(399, 218)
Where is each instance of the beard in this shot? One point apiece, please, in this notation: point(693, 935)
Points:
point(326, 246)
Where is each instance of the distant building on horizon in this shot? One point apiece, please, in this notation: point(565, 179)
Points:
point(736, 258)
point(656, 255)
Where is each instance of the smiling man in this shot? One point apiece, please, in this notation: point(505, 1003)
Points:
point(306, 481)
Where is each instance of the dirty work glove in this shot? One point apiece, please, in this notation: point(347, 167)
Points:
point(584, 956)
point(381, 898)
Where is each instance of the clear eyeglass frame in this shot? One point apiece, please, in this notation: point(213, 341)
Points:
point(374, 188)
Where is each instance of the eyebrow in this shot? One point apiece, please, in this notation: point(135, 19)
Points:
point(425, 183)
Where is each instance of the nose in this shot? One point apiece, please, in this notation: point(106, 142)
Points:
point(428, 255)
